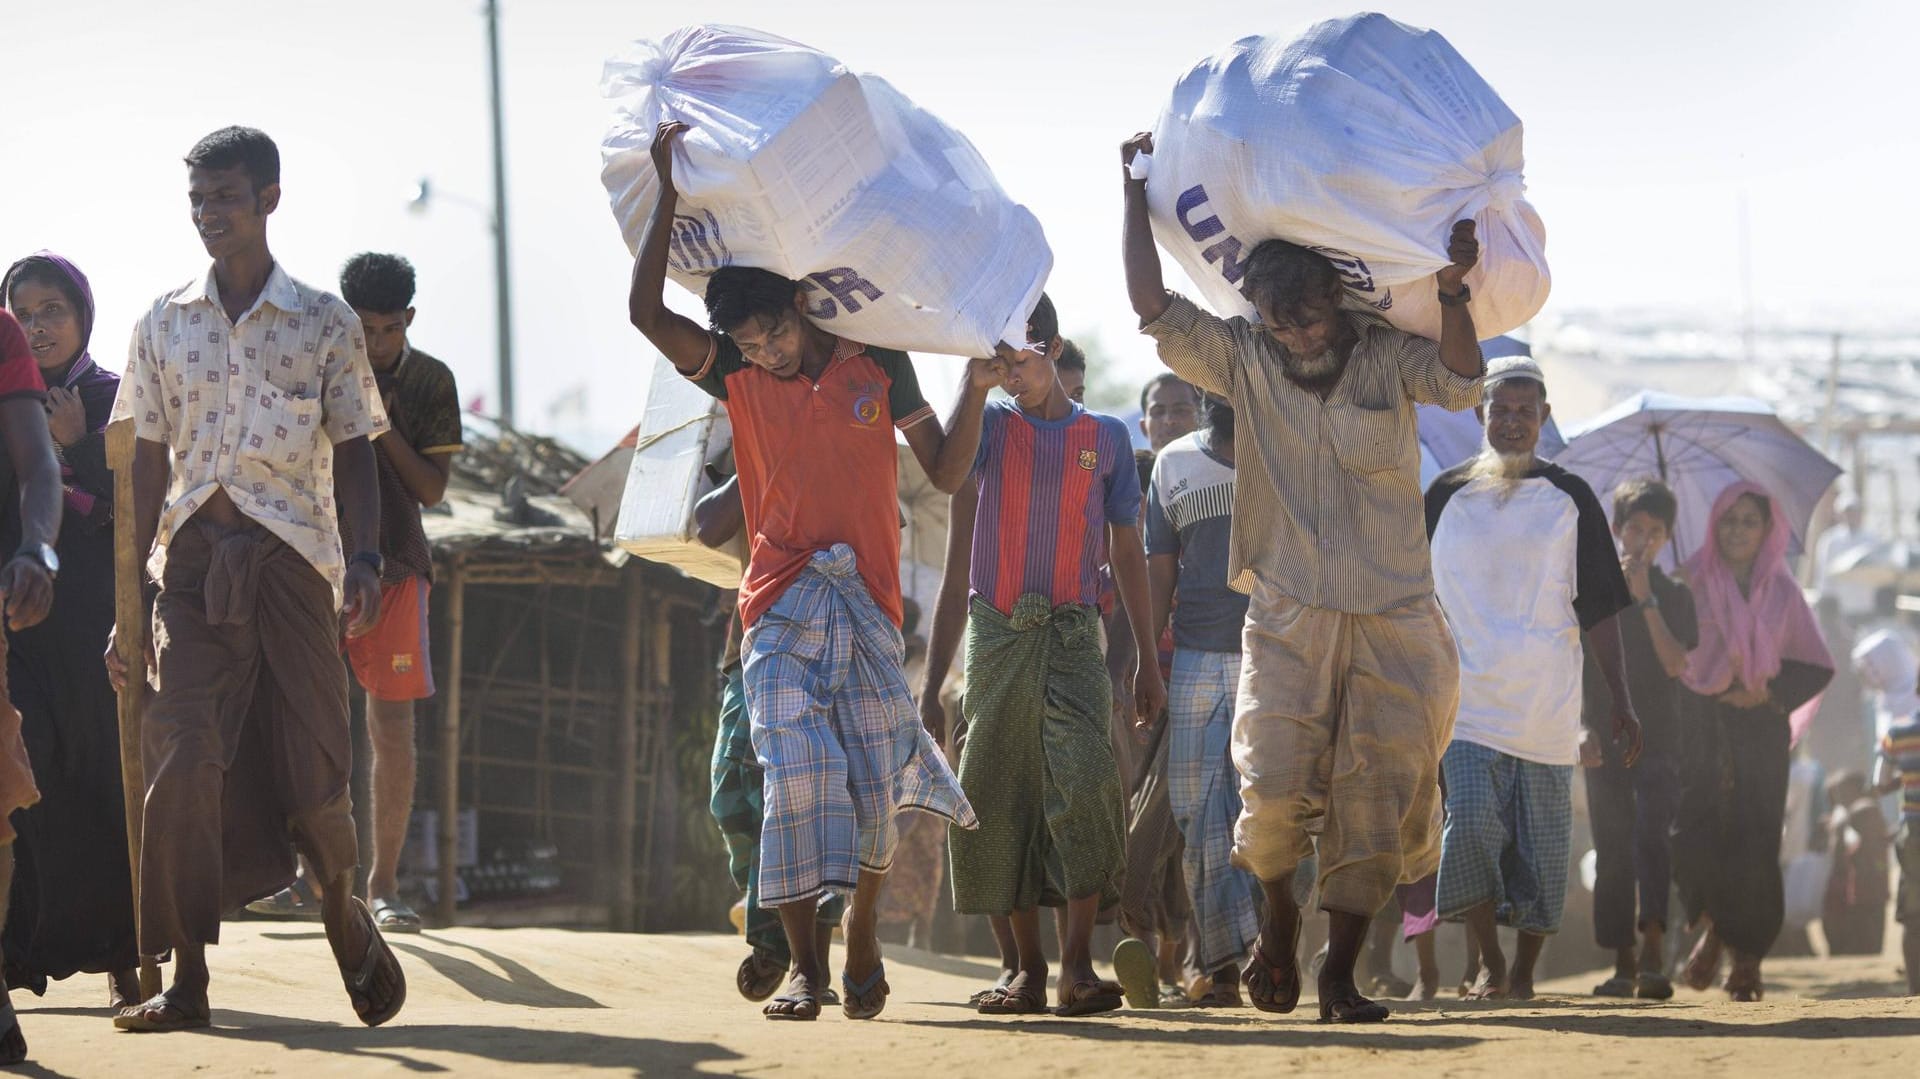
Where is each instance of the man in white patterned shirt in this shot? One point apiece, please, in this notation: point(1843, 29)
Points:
point(245, 388)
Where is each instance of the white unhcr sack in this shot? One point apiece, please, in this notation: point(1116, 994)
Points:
point(1363, 139)
point(890, 219)
point(682, 431)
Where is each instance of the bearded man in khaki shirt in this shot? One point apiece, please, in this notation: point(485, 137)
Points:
point(1350, 678)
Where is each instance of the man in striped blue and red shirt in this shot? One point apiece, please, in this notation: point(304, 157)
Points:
point(1054, 495)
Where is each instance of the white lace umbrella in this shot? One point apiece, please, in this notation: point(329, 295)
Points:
point(1698, 446)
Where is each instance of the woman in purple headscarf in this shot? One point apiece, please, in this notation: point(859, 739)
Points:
point(72, 899)
point(1760, 657)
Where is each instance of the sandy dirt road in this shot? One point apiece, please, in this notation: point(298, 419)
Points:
point(539, 1002)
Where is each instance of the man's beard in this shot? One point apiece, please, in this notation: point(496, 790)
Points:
point(1316, 374)
point(1503, 470)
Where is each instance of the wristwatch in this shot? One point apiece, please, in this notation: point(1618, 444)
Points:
point(1651, 603)
point(374, 559)
point(1456, 299)
point(42, 553)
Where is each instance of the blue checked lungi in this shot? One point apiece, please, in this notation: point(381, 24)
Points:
point(837, 733)
point(1507, 837)
point(1205, 791)
point(736, 803)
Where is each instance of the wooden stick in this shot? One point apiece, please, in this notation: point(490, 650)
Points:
point(130, 637)
point(450, 744)
point(622, 917)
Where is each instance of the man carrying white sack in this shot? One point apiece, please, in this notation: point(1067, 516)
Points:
point(833, 723)
point(1349, 676)
point(1523, 563)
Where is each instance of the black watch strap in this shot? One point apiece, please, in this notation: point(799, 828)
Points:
point(373, 559)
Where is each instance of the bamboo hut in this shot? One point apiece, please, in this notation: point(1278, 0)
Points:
point(567, 677)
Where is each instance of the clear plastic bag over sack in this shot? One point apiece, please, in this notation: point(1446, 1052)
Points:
point(1364, 139)
point(889, 218)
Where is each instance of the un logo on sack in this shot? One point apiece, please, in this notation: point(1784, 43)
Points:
point(695, 246)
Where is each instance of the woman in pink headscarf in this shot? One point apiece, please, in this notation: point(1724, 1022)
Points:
point(1760, 657)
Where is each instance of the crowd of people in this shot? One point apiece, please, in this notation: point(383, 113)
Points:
point(1207, 687)
point(1242, 672)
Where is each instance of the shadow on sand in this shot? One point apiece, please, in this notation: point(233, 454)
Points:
point(520, 987)
point(1649, 1024)
point(1216, 1030)
point(502, 1044)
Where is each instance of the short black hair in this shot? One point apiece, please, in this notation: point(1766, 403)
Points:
point(1162, 379)
point(1216, 412)
point(1071, 357)
point(1043, 325)
point(247, 147)
point(739, 294)
point(1287, 278)
point(1645, 495)
point(383, 284)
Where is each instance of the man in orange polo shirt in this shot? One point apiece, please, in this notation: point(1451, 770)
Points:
point(833, 722)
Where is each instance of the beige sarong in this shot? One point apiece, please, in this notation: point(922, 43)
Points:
point(1338, 731)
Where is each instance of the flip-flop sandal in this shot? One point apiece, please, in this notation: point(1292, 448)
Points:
point(393, 916)
point(1092, 998)
point(1134, 965)
point(1281, 988)
point(1702, 966)
point(1651, 985)
point(359, 984)
point(157, 1016)
point(1027, 1000)
point(295, 901)
point(758, 977)
point(857, 1006)
point(1617, 987)
point(1353, 1009)
point(806, 1008)
point(996, 988)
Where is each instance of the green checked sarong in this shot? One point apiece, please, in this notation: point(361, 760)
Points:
point(1037, 765)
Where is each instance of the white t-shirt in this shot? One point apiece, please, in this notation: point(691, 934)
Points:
point(1520, 573)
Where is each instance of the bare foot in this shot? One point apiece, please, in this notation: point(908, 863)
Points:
point(123, 989)
point(1520, 987)
point(1427, 988)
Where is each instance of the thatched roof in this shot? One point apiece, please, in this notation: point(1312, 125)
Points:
point(503, 504)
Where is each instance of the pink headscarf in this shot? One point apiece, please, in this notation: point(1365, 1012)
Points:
point(1768, 625)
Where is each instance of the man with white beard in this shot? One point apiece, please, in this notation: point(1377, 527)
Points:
point(1523, 562)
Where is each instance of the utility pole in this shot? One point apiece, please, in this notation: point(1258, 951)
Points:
point(502, 294)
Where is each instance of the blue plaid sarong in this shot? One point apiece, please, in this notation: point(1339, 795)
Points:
point(1205, 791)
point(1507, 837)
point(837, 734)
point(735, 801)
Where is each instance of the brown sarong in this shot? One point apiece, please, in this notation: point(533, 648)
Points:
point(246, 741)
point(17, 788)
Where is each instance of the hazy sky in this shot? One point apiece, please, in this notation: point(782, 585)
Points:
point(1646, 124)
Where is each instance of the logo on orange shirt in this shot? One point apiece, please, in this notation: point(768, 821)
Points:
point(1088, 459)
point(866, 410)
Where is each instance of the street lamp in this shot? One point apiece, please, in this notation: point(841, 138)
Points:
point(496, 216)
